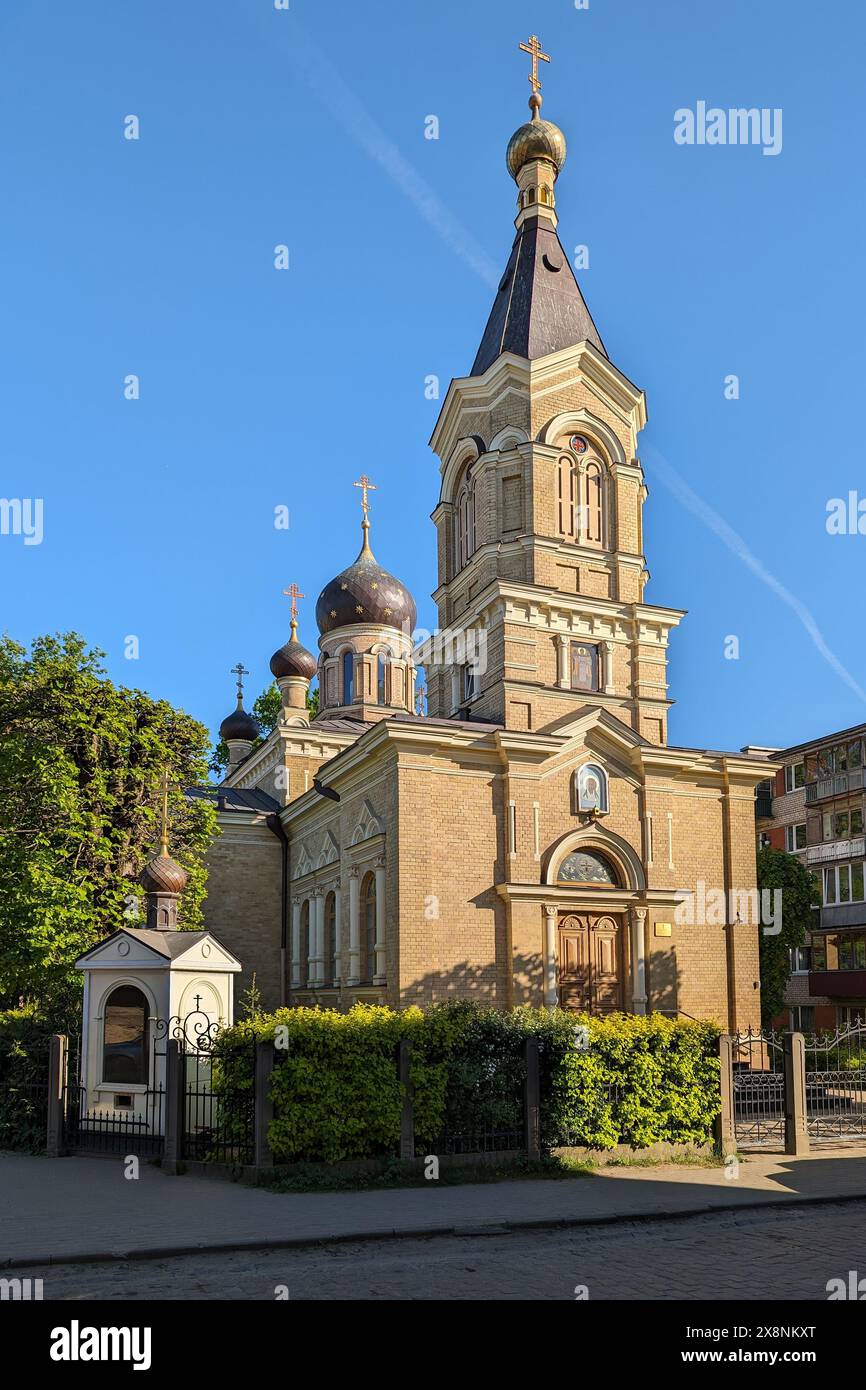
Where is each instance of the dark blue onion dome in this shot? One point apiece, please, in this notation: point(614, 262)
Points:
point(239, 725)
point(365, 593)
point(293, 659)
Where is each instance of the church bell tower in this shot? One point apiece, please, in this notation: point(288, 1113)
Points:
point(541, 561)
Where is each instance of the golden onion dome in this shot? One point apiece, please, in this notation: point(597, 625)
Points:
point(537, 139)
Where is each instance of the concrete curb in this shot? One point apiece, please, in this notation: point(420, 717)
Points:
point(163, 1252)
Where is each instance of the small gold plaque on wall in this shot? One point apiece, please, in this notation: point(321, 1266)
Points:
point(662, 928)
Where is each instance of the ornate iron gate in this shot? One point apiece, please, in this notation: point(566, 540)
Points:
point(135, 1128)
point(836, 1084)
point(759, 1090)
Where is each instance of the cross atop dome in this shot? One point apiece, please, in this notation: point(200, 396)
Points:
point(533, 48)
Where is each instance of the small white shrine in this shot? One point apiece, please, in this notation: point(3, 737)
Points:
point(144, 986)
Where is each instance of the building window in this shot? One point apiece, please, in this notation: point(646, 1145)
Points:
point(567, 496)
point(591, 788)
point(802, 1018)
point(592, 530)
point(464, 517)
point(330, 938)
point(852, 953)
point(851, 1016)
point(381, 675)
point(368, 925)
point(584, 666)
point(841, 825)
point(124, 1050)
point(795, 837)
point(585, 866)
point(843, 883)
point(793, 776)
point(470, 683)
point(800, 957)
point(348, 678)
point(764, 840)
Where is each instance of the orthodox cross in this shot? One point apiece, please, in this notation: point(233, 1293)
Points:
point(294, 593)
point(240, 671)
point(197, 1002)
point(163, 823)
point(366, 486)
point(533, 48)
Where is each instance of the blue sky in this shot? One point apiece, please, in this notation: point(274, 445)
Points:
point(261, 387)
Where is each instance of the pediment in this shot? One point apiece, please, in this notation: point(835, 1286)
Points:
point(329, 852)
point(123, 949)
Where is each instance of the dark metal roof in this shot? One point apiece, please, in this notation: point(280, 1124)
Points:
point(539, 308)
point(234, 798)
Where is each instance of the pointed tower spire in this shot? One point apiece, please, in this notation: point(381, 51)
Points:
point(539, 308)
point(366, 486)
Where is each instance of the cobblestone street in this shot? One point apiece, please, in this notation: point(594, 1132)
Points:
point(781, 1254)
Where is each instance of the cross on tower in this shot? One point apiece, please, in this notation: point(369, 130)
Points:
point(294, 593)
point(240, 671)
point(163, 825)
point(366, 486)
point(533, 48)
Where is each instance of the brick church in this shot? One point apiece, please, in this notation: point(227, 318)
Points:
point(530, 838)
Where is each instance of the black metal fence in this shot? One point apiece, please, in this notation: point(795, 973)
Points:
point(835, 1083)
point(759, 1090)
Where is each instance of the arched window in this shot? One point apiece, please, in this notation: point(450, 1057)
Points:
point(305, 941)
point(592, 788)
point(567, 495)
point(331, 929)
point(124, 1050)
point(368, 925)
point(464, 530)
point(381, 675)
point(581, 493)
point(348, 677)
point(586, 866)
point(593, 508)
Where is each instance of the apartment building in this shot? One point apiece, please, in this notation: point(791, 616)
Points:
point(814, 807)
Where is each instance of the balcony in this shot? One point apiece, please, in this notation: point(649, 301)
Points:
point(842, 915)
point(838, 984)
point(838, 785)
point(836, 849)
point(763, 807)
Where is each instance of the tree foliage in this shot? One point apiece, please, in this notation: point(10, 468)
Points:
point(778, 870)
point(80, 767)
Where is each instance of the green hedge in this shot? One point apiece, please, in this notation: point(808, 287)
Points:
point(24, 1048)
point(336, 1093)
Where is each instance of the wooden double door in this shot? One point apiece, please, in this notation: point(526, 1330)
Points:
point(591, 962)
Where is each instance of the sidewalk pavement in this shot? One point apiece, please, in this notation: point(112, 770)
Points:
point(75, 1209)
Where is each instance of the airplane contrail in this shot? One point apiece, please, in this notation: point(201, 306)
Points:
point(676, 484)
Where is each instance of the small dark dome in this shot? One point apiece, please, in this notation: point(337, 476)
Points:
point(365, 593)
point(162, 875)
point(294, 660)
point(239, 725)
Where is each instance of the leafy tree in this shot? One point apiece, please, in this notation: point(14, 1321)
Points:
point(81, 761)
point(777, 870)
point(266, 710)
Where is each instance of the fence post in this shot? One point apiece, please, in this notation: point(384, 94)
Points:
point(726, 1134)
point(264, 1106)
point(174, 1104)
point(533, 1101)
point(407, 1114)
point(796, 1133)
point(56, 1095)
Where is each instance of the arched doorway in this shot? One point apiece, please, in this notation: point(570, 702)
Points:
point(590, 945)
